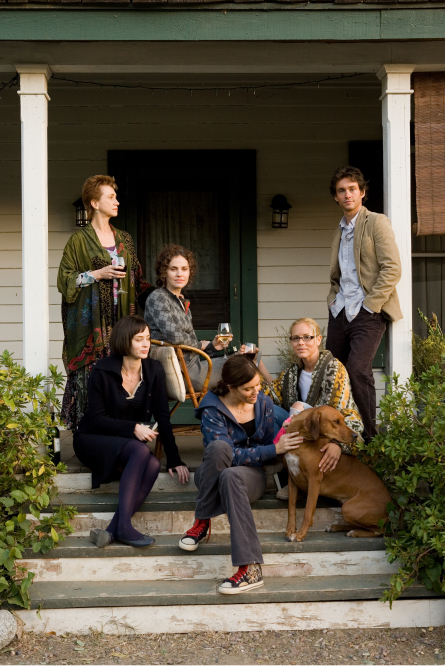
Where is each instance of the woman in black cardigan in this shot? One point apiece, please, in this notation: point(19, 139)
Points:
point(124, 391)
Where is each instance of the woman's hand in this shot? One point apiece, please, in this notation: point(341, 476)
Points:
point(183, 473)
point(108, 273)
point(144, 433)
point(216, 342)
point(331, 457)
point(289, 442)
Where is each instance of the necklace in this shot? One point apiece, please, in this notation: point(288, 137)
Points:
point(129, 378)
point(240, 411)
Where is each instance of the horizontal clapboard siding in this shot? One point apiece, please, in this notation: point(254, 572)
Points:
point(301, 135)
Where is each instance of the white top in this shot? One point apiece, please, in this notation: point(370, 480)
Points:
point(304, 384)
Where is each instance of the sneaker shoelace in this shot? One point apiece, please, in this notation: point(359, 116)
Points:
point(239, 574)
point(199, 527)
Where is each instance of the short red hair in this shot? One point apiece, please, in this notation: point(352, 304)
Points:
point(91, 191)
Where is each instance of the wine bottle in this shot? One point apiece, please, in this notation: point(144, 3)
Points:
point(54, 446)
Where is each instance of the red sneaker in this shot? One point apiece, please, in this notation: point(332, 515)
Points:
point(190, 540)
point(246, 578)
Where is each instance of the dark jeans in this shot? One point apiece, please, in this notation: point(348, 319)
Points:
point(355, 344)
point(230, 490)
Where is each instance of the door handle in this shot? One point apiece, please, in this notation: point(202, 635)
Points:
point(234, 290)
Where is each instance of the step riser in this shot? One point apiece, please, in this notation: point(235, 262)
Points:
point(81, 483)
point(178, 522)
point(207, 567)
point(243, 617)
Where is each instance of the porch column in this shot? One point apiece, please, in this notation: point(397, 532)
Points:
point(396, 100)
point(34, 154)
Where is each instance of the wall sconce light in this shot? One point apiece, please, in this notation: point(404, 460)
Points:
point(81, 214)
point(280, 212)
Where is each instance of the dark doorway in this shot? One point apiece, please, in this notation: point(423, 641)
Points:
point(205, 200)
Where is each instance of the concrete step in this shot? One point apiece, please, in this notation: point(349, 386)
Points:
point(173, 513)
point(80, 482)
point(203, 592)
point(320, 555)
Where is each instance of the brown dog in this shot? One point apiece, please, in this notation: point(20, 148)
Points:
point(363, 495)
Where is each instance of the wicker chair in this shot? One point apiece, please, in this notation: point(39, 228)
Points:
point(190, 393)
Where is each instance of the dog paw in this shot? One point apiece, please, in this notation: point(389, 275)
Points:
point(299, 537)
point(351, 533)
point(291, 537)
point(329, 529)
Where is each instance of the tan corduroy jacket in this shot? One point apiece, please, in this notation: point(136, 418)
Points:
point(377, 261)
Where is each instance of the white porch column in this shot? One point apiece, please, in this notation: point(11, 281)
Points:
point(34, 121)
point(396, 100)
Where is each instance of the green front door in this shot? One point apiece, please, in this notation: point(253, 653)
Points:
point(206, 201)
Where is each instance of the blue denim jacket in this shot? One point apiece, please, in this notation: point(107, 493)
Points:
point(217, 422)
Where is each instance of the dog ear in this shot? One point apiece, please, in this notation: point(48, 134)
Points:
point(315, 425)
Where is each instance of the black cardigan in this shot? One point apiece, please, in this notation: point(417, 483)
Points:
point(103, 390)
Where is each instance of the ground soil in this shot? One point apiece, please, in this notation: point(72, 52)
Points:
point(340, 646)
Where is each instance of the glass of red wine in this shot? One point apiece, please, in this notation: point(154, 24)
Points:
point(120, 261)
point(250, 350)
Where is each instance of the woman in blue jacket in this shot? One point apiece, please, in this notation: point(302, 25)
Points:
point(237, 424)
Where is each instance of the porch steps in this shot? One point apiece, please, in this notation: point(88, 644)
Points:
point(173, 513)
point(93, 594)
point(328, 580)
point(320, 555)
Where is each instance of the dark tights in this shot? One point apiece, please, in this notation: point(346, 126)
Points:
point(140, 472)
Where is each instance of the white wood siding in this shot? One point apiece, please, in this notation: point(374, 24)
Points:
point(300, 135)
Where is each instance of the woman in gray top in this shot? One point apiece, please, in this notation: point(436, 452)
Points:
point(169, 317)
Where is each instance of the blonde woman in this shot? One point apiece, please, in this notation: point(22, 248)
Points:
point(315, 379)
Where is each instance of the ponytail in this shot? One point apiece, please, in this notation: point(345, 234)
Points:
point(237, 371)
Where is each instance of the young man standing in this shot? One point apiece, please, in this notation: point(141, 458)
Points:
point(365, 268)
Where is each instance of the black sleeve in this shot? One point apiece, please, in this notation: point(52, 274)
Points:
point(162, 415)
point(210, 350)
point(100, 405)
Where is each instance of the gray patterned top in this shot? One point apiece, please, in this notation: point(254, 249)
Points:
point(168, 320)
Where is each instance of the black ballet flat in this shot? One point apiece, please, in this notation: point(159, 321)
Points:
point(101, 537)
point(138, 543)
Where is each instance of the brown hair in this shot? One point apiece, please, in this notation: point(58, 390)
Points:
point(91, 191)
point(166, 255)
point(310, 322)
point(237, 371)
point(124, 331)
point(353, 174)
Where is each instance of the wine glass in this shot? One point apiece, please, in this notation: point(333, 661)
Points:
point(250, 350)
point(120, 261)
point(225, 335)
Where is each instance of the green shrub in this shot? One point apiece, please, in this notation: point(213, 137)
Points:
point(27, 477)
point(409, 456)
point(428, 351)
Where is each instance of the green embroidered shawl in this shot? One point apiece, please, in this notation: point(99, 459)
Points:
point(88, 313)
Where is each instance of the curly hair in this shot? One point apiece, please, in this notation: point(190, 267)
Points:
point(353, 174)
point(166, 255)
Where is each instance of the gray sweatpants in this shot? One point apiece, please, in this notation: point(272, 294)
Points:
point(230, 490)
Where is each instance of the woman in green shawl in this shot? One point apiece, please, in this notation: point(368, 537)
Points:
point(88, 280)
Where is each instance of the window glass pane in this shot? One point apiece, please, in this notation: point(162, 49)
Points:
point(428, 290)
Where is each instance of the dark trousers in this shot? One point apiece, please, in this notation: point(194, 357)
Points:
point(355, 344)
point(230, 490)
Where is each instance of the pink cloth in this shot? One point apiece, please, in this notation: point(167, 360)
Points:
point(282, 431)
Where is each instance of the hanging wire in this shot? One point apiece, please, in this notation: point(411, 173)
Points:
point(269, 86)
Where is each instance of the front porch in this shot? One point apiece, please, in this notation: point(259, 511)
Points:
point(301, 119)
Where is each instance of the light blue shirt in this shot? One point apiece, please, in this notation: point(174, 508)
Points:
point(351, 295)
